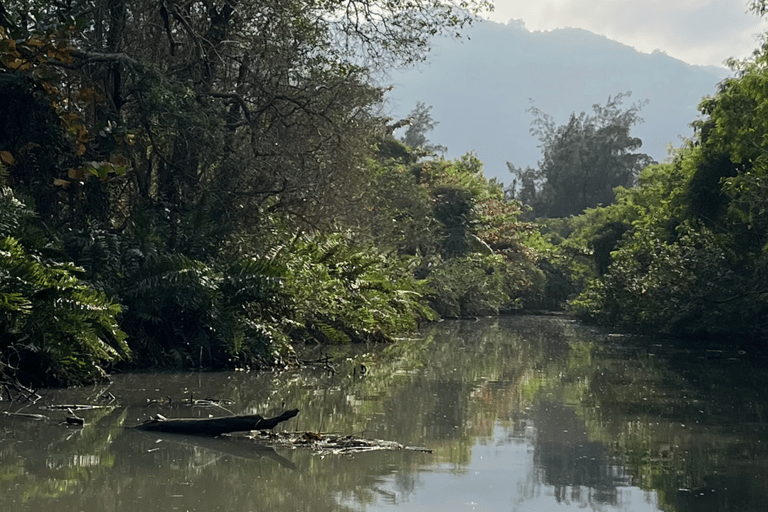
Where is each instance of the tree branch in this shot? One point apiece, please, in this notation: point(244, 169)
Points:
point(122, 58)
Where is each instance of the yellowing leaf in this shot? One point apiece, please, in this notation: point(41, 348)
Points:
point(7, 158)
point(60, 183)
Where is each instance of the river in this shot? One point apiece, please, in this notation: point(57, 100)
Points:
point(518, 413)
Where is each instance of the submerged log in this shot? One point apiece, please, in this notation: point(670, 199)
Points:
point(215, 426)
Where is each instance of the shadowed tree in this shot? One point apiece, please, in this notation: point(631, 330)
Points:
point(582, 160)
point(415, 136)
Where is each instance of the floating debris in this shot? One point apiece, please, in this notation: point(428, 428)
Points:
point(209, 402)
point(329, 443)
point(191, 401)
point(76, 407)
point(35, 417)
point(74, 420)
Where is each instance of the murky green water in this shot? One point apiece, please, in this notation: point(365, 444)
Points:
point(521, 414)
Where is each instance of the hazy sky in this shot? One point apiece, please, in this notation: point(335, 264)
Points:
point(695, 31)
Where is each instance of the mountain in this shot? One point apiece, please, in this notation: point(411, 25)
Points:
point(481, 86)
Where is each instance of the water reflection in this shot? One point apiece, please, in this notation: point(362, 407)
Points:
point(521, 413)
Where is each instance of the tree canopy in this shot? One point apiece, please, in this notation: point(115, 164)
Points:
point(209, 183)
point(205, 183)
point(582, 160)
point(687, 247)
point(246, 104)
point(419, 123)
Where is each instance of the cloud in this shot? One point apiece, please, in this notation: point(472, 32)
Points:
point(696, 31)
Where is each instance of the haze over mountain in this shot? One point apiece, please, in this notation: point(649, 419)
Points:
point(481, 88)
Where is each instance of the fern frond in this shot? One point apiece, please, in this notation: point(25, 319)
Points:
point(64, 329)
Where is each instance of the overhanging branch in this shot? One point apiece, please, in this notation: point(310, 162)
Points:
point(122, 58)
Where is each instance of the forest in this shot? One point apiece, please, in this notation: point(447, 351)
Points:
point(209, 184)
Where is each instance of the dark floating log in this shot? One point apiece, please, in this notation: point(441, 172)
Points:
point(215, 426)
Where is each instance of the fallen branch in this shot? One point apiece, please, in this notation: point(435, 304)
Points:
point(215, 426)
point(9, 384)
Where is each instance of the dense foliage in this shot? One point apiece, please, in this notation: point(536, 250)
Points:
point(678, 247)
point(205, 185)
point(471, 243)
point(684, 251)
point(582, 160)
point(49, 317)
point(217, 179)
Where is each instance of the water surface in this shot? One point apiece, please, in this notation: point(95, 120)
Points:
point(520, 414)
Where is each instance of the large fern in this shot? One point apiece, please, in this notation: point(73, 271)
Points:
point(12, 211)
point(55, 327)
point(252, 303)
point(57, 330)
point(182, 312)
point(341, 291)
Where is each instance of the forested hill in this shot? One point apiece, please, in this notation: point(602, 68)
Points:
point(481, 88)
